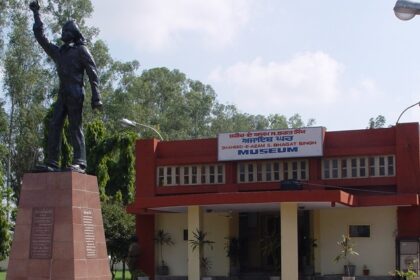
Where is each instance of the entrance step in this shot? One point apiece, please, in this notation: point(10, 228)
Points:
point(254, 276)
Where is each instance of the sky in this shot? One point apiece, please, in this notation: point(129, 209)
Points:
point(339, 62)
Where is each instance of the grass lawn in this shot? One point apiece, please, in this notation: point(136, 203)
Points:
point(118, 275)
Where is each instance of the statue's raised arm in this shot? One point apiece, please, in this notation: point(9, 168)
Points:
point(38, 28)
point(34, 6)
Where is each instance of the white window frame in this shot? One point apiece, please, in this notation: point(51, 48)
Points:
point(168, 173)
point(388, 167)
point(250, 171)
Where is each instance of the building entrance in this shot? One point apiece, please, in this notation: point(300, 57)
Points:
point(259, 237)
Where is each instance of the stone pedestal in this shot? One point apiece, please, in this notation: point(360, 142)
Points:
point(59, 230)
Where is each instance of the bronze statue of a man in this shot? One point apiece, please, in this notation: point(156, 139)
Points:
point(72, 59)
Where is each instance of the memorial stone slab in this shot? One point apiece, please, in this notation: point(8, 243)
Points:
point(59, 233)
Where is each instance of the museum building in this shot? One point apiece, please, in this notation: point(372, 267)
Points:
point(276, 202)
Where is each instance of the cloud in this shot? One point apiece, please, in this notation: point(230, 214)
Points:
point(366, 89)
point(161, 24)
point(307, 79)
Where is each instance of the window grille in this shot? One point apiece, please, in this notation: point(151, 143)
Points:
point(191, 175)
point(358, 167)
point(272, 171)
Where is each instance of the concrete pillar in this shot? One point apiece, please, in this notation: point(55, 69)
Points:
point(145, 230)
point(289, 241)
point(194, 222)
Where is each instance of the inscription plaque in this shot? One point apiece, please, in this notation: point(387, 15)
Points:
point(89, 232)
point(42, 229)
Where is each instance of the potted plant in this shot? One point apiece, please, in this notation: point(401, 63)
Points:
point(365, 270)
point(232, 248)
point(346, 251)
point(205, 265)
point(270, 247)
point(163, 238)
point(199, 241)
point(139, 275)
point(408, 274)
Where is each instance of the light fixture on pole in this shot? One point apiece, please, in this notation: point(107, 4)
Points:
point(406, 9)
point(126, 123)
point(418, 103)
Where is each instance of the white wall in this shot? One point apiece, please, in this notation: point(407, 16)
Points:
point(175, 256)
point(217, 227)
point(377, 252)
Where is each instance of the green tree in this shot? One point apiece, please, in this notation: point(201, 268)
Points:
point(3, 17)
point(179, 107)
point(277, 121)
point(227, 118)
point(25, 87)
point(5, 193)
point(5, 236)
point(111, 159)
point(119, 228)
point(60, 11)
point(296, 121)
point(378, 122)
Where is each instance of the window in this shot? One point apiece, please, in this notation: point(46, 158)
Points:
point(250, 172)
point(203, 174)
point(186, 175)
point(161, 177)
point(372, 168)
point(190, 175)
point(353, 167)
point(303, 170)
point(241, 172)
point(177, 175)
point(408, 254)
point(259, 172)
point(344, 168)
point(334, 164)
point(362, 167)
point(358, 167)
point(285, 170)
point(326, 169)
point(359, 231)
point(381, 166)
point(220, 174)
point(193, 175)
point(294, 170)
point(272, 171)
point(169, 177)
point(276, 171)
point(390, 165)
point(212, 174)
point(268, 171)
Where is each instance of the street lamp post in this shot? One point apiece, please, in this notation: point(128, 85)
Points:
point(406, 9)
point(126, 122)
point(415, 104)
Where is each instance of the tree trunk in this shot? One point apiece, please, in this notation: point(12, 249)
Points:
point(123, 272)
